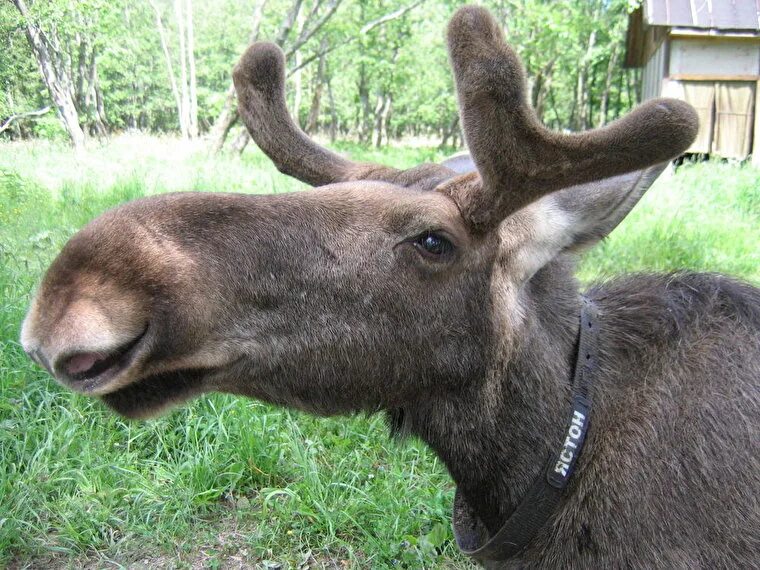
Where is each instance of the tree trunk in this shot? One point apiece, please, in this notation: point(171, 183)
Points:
point(193, 87)
point(449, 132)
point(287, 22)
point(184, 120)
point(590, 87)
point(364, 121)
point(297, 91)
point(241, 141)
point(81, 91)
point(632, 94)
point(225, 121)
point(604, 100)
point(298, 80)
point(312, 121)
point(541, 86)
point(382, 120)
point(58, 86)
point(333, 111)
point(312, 24)
point(581, 95)
point(557, 119)
point(619, 97)
point(101, 121)
point(168, 59)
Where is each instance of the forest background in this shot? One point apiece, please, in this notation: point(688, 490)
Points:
point(366, 70)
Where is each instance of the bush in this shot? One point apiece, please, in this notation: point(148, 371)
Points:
point(49, 127)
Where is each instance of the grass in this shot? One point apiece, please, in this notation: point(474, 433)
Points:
point(228, 482)
point(705, 217)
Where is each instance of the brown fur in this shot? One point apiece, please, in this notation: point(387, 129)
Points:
point(517, 157)
point(325, 301)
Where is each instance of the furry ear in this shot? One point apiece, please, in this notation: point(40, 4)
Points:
point(598, 207)
point(571, 219)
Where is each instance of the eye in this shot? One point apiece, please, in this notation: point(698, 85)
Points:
point(432, 244)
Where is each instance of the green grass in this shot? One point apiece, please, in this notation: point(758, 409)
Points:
point(227, 479)
point(706, 217)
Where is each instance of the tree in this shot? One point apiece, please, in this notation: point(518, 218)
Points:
point(169, 66)
point(58, 79)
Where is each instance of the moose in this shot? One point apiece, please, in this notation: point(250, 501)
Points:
point(614, 428)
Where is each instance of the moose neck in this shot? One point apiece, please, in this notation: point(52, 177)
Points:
point(496, 434)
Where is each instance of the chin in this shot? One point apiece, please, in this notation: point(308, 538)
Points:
point(157, 394)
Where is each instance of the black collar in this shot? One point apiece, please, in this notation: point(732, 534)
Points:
point(545, 493)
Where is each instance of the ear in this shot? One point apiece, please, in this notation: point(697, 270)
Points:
point(571, 219)
point(461, 163)
point(598, 207)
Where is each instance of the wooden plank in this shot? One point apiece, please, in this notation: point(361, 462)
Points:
point(634, 40)
point(692, 33)
point(712, 77)
point(714, 56)
point(654, 37)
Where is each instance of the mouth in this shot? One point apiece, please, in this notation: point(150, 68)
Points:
point(153, 394)
point(92, 372)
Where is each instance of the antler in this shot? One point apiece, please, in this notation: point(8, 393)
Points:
point(259, 80)
point(518, 159)
point(260, 84)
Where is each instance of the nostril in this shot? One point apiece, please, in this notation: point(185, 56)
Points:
point(80, 363)
point(86, 365)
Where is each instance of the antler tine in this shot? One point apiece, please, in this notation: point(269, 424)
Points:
point(259, 79)
point(260, 84)
point(518, 159)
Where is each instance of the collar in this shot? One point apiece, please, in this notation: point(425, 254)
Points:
point(544, 495)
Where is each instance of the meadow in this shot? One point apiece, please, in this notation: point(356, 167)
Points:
point(227, 482)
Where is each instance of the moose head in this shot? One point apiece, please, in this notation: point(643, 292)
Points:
point(411, 291)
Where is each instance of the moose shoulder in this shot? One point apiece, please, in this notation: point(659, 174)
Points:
point(614, 429)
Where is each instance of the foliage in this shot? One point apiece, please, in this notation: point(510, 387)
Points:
point(567, 46)
point(228, 477)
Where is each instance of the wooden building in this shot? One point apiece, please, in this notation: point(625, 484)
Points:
point(706, 52)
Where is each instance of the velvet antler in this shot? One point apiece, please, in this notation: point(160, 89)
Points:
point(260, 84)
point(518, 159)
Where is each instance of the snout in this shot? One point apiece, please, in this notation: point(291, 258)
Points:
point(85, 347)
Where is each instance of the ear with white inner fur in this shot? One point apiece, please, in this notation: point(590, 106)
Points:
point(573, 218)
point(598, 207)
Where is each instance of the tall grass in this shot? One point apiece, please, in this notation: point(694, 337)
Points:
point(227, 479)
point(704, 217)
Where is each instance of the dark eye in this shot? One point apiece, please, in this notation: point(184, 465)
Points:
point(432, 244)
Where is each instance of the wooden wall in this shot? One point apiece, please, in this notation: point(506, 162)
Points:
point(682, 65)
point(654, 73)
point(718, 57)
